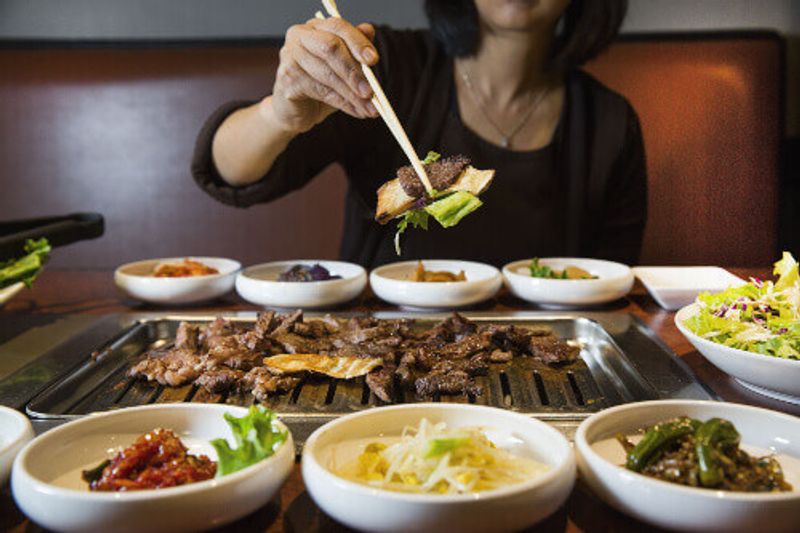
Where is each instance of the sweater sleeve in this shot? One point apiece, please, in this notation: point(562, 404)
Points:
point(626, 200)
point(305, 157)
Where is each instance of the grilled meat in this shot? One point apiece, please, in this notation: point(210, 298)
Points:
point(443, 359)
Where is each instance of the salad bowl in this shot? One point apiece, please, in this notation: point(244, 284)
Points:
point(752, 331)
point(775, 377)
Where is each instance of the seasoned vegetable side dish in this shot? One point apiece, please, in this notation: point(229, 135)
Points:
point(27, 267)
point(702, 454)
point(155, 460)
point(158, 459)
point(569, 272)
point(420, 274)
point(435, 459)
point(760, 316)
point(315, 272)
point(184, 269)
point(456, 187)
point(230, 357)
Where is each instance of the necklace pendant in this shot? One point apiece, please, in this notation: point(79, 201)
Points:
point(505, 142)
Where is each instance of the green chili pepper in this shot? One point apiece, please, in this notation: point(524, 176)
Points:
point(711, 438)
point(656, 439)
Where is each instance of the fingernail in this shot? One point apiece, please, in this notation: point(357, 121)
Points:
point(364, 89)
point(371, 109)
point(369, 54)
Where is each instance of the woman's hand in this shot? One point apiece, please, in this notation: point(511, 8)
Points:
point(320, 73)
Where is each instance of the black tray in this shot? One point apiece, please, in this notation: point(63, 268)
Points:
point(60, 231)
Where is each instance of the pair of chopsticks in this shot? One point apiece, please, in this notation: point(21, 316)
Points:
point(385, 109)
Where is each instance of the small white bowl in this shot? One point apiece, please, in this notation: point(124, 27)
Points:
point(614, 280)
point(687, 508)
point(675, 287)
point(15, 432)
point(259, 284)
point(508, 509)
point(137, 281)
point(393, 284)
point(771, 376)
point(47, 487)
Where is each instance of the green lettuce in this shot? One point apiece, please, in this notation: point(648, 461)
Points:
point(760, 316)
point(257, 437)
point(27, 267)
point(448, 208)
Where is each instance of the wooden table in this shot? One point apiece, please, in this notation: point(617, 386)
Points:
point(93, 292)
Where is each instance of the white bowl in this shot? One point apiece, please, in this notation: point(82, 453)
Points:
point(15, 432)
point(259, 284)
point(614, 280)
point(675, 287)
point(687, 508)
point(508, 509)
point(46, 481)
point(772, 376)
point(392, 283)
point(137, 281)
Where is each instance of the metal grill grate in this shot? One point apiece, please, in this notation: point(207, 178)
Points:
point(604, 376)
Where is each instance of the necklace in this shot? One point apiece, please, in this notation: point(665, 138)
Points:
point(506, 137)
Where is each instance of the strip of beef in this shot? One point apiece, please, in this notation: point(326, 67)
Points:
point(229, 351)
point(454, 328)
point(187, 337)
point(294, 343)
point(381, 382)
point(442, 174)
point(257, 339)
point(219, 380)
point(262, 383)
point(287, 322)
point(216, 331)
point(453, 382)
point(552, 350)
point(168, 366)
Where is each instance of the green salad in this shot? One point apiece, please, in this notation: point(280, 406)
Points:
point(257, 437)
point(27, 267)
point(760, 316)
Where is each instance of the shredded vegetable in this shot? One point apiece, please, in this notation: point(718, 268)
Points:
point(435, 459)
point(760, 316)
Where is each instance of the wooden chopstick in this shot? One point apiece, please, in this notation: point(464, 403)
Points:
point(385, 110)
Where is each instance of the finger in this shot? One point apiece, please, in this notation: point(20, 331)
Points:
point(359, 45)
point(322, 72)
point(367, 29)
point(300, 84)
point(332, 51)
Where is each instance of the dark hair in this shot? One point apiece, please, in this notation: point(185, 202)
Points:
point(587, 28)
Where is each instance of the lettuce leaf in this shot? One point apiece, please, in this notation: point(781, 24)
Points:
point(452, 208)
point(26, 268)
point(256, 435)
point(760, 317)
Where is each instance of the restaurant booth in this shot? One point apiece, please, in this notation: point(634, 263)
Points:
point(96, 141)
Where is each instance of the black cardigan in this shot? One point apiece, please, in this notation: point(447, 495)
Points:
point(587, 190)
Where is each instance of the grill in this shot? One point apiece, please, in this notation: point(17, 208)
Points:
point(621, 361)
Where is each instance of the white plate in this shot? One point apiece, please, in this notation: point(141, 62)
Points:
point(675, 287)
point(687, 508)
point(392, 283)
point(508, 509)
point(774, 374)
point(259, 284)
point(15, 432)
point(136, 280)
point(46, 481)
point(9, 292)
point(614, 280)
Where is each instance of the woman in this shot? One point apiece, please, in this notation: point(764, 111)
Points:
point(495, 80)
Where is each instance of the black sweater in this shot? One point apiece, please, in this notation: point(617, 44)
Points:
point(583, 195)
